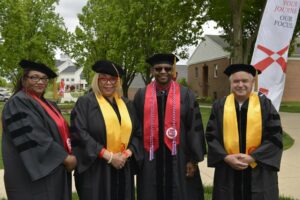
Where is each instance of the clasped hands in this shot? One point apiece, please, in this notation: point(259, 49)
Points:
point(117, 160)
point(191, 169)
point(239, 161)
point(70, 162)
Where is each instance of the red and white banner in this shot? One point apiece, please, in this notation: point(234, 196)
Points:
point(272, 45)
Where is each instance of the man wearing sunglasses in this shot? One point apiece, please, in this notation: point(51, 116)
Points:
point(173, 136)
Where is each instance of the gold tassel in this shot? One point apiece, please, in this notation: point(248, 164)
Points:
point(174, 74)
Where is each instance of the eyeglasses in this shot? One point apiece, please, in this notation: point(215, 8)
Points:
point(159, 69)
point(112, 80)
point(37, 79)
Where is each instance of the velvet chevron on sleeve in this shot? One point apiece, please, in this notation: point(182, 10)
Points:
point(33, 152)
point(260, 182)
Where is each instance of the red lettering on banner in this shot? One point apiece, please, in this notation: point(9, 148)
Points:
point(283, 9)
point(290, 3)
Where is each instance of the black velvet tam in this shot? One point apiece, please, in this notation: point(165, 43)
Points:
point(161, 58)
point(108, 67)
point(231, 69)
point(40, 67)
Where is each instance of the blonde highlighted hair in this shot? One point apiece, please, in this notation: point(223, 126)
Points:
point(96, 89)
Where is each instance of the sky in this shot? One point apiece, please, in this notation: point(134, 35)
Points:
point(68, 9)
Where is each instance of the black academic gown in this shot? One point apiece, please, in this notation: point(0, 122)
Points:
point(164, 178)
point(95, 179)
point(33, 152)
point(259, 183)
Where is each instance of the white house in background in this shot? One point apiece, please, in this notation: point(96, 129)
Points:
point(71, 74)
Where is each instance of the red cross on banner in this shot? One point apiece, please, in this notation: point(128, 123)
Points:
point(265, 63)
point(264, 91)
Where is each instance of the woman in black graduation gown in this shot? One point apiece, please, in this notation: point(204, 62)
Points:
point(35, 142)
point(105, 138)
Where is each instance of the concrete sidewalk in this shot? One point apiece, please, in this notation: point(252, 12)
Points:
point(289, 175)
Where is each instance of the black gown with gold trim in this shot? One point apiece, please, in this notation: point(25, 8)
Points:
point(95, 179)
point(259, 183)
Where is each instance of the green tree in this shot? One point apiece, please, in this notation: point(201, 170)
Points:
point(3, 82)
point(29, 30)
point(183, 82)
point(240, 20)
point(129, 31)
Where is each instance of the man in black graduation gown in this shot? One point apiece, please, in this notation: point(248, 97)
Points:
point(173, 136)
point(244, 137)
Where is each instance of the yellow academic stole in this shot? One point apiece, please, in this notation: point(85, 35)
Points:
point(117, 135)
point(254, 126)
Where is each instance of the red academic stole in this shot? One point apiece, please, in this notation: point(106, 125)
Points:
point(58, 119)
point(171, 122)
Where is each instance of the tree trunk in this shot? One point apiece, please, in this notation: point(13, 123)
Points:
point(125, 90)
point(237, 32)
point(147, 77)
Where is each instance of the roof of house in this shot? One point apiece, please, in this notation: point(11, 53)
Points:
point(211, 48)
point(137, 82)
point(182, 71)
point(69, 69)
point(219, 40)
point(214, 47)
point(58, 63)
point(81, 75)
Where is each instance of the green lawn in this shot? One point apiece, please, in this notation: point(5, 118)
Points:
point(208, 194)
point(75, 196)
point(288, 141)
point(205, 112)
point(293, 107)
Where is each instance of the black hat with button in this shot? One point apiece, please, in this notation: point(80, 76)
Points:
point(231, 69)
point(108, 67)
point(162, 58)
point(30, 65)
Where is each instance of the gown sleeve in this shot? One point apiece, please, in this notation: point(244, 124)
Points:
point(85, 147)
point(195, 133)
point(216, 151)
point(270, 151)
point(26, 127)
point(135, 144)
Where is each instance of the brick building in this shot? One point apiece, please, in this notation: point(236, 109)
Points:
point(209, 60)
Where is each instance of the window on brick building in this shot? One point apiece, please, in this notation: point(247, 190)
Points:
point(196, 72)
point(216, 71)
